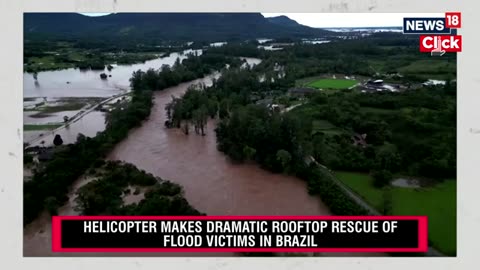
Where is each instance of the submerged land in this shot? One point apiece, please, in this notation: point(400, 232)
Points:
point(361, 124)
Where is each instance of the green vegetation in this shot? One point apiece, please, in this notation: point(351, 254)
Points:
point(321, 182)
point(27, 159)
point(63, 107)
point(332, 83)
point(437, 202)
point(62, 55)
point(429, 69)
point(325, 127)
point(104, 194)
point(44, 111)
point(378, 111)
point(418, 123)
point(362, 183)
point(34, 127)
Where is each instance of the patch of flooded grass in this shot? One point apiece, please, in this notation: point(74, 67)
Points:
point(74, 106)
point(41, 127)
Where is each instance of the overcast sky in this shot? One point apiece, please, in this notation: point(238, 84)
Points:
point(343, 19)
point(351, 19)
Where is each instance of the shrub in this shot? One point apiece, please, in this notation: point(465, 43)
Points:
point(381, 178)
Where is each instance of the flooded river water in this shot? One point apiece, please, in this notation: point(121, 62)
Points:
point(212, 183)
point(75, 83)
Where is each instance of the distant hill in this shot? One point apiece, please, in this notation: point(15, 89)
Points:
point(366, 29)
point(165, 26)
point(284, 21)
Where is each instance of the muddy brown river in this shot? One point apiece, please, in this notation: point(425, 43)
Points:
point(212, 183)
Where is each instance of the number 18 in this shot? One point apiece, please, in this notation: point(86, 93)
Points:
point(453, 19)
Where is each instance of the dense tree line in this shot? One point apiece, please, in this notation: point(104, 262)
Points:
point(411, 132)
point(321, 182)
point(275, 141)
point(49, 186)
point(237, 86)
point(104, 195)
point(245, 49)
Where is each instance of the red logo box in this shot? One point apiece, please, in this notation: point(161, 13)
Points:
point(453, 19)
point(440, 43)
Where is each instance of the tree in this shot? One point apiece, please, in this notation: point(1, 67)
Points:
point(51, 204)
point(381, 178)
point(57, 141)
point(387, 158)
point(284, 157)
point(249, 152)
point(200, 117)
point(186, 127)
point(387, 201)
point(80, 138)
point(27, 158)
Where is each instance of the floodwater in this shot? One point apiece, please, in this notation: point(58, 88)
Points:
point(251, 61)
point(269, 48)
point(88, 125)
point(57, 117)
point(53, 85)
point(406, 183)
point(316, 41)
point(88, 83)
point(212, 183)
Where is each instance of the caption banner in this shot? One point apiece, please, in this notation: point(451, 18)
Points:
point(239, 234)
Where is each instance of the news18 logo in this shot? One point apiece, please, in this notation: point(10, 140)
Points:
point(436, 33)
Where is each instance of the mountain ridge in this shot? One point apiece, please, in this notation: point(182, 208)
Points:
point(165, 26)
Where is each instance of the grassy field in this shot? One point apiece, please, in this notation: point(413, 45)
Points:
point(440, 69)
point(377, 110)
point(438, 203)
point(46, 63)
point(429, 66)
point(63, 107)
point(332, 83)
point(45, 111)
point(41, 127)
point(325, 127)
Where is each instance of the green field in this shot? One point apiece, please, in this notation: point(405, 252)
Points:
point(41, 127)
point(332, 83)
point(438, 203)
point(325, 127)
point(430, 67)
point(377, 110)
